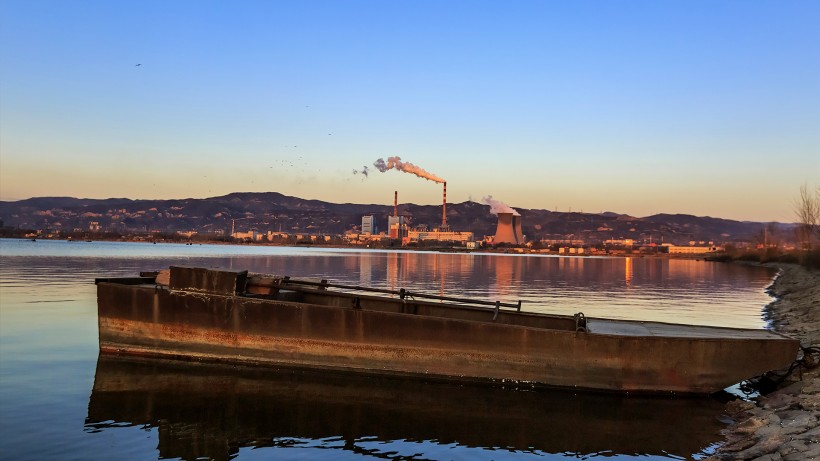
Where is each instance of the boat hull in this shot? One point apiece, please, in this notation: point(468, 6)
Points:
point(217, 325)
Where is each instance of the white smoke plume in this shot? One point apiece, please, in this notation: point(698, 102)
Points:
point(497, 206)
point(407, 167)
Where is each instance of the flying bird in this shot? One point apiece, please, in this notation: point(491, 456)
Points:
point(138, 65)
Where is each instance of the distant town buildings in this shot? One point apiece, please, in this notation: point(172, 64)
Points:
point(620, 242)
point(250, 235)
point(692, 249)
point(571, 250)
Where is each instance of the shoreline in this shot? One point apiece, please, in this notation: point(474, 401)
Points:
point(785, 424)
point(703, 257)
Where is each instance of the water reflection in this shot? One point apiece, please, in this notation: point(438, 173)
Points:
point(211, 412)
point(49, 346)
point(659, 289)
point(627, 271)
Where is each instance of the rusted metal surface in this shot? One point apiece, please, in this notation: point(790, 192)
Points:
point(197, 279)
point(379, 335)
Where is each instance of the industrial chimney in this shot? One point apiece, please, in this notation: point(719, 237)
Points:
point(444, 209)
point(509, 229)
point(396, 224)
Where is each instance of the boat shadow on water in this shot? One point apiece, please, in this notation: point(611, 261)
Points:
point(211, 411)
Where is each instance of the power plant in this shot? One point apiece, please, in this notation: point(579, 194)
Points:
point(509, 229)
point(398, 226)
point(407, 167)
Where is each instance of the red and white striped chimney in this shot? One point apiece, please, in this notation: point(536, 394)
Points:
point(444, 209)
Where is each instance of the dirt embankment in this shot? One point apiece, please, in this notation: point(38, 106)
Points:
point(784, 425)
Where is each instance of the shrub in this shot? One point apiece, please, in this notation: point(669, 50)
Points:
point(789, 258)
point(811, 259)
point(749, 256)
point(720, 258)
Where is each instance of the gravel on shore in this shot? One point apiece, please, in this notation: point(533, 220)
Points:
point(785, 424)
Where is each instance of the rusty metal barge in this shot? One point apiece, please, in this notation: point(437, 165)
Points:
point(235, 317)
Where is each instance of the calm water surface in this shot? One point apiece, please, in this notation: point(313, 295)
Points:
point(58, 399)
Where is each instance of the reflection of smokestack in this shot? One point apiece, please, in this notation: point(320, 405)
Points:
point(395, 203)
point(509, 229)
point(444, 208)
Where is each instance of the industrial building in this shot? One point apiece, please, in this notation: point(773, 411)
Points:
point(397, 227)
point(368, 224)
point(444, 235)
point(692, 250)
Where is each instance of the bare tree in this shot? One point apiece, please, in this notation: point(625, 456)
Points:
point(772, 235)
point(817, 212)
point(807, 210)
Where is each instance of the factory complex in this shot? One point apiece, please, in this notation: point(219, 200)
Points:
point(400, 229)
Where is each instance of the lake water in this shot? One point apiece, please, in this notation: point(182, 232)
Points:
point(58, 399)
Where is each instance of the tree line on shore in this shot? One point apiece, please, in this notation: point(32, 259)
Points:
point(807, 236)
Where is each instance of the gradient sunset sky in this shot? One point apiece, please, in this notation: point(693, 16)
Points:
point(709, 108)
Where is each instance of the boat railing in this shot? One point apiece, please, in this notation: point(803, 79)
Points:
point(402, 293)
point(163, 277)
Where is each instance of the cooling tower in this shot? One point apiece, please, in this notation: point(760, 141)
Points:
point(519, 235)
point(509, 229)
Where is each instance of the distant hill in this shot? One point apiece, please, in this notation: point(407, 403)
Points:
point(273, 211)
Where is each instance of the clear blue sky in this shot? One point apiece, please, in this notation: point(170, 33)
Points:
point(707, 108)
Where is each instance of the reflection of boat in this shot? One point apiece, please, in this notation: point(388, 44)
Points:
point(229, 316)
point(211, 411)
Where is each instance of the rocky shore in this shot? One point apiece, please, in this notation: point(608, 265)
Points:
point(785, 424)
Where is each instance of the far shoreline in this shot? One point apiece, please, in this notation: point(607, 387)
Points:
point(708, 257)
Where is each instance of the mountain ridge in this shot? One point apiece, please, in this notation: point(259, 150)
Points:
point(275, 211)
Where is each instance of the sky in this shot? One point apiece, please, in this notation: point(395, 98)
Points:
point(638, 107)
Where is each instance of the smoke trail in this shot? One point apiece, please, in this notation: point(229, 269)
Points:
point(407, 167)
point(365, 171)
point(497, 206)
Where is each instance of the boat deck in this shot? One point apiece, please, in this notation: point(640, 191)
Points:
point(637, 328)
point(598, 326)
